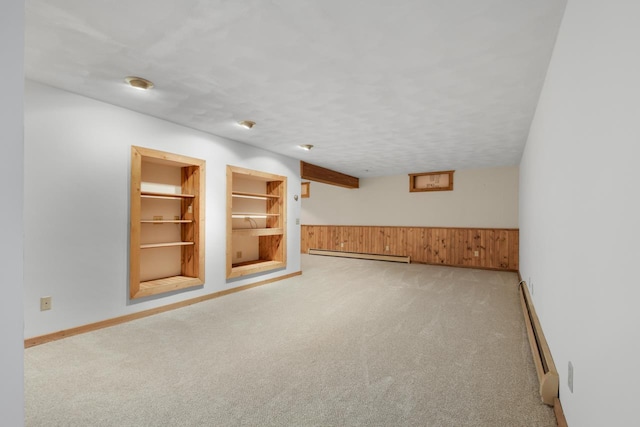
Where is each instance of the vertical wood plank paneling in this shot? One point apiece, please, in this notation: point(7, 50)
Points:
point(449, 242)
point(423, 239)
point(489, 248)
point(389, 239)
point(514, 257)
point(304, 239)
point(321, 237)
point(344, 243)
point(313, 237)
point(352, 239)
point(494, 242)
point(332, 234)
point(402, 242)
point(317, 237)
point(365, 240)
point(373, 244)
point(500, 255)
point(433, 250)
point(466, 235)
point(503, 248)
point(459, 247)
point(411, 242)
point(307, 240)
point(376, 237)
point(436, 247)
point(361, 238)
point(446, 244)
point(426, 245)
point(356, 240)
point(415, 244)
point(482, 248)
point(497, 248)
point(378, 240)
point(470, 241)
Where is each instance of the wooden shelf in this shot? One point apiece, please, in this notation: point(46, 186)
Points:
point(237, 215)
point(166, 221)
point(257, 231)
point(253, 195)
point(166, 284)
point(256, 266)
point(155, 195)
point(164, 245)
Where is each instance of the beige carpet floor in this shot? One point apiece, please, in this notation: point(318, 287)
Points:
point(348, 343)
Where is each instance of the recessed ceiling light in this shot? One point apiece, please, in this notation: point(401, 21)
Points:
point(139, 82)
point(247, 124)
point(307, 147)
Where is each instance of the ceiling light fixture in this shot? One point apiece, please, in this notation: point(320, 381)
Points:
point(247, 124)
point(139, 82)
point(307, 147)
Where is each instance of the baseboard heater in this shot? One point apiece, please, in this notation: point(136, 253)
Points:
point(545, 368)
point(392, 258)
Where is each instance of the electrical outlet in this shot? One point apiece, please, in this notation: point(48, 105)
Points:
point(386, 248)
point(570, 376)
point(239, 254)
point(45, 303)
point(297, 221)
point(476, 253)
point(342, 244)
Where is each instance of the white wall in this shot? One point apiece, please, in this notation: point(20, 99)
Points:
point(480, 198)
point(580, 211)
point(77, 171)
point(11, 225)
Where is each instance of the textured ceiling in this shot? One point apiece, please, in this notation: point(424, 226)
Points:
point(379, 87)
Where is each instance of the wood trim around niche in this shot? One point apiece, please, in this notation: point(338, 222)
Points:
point(305, 191)
point(446, 183)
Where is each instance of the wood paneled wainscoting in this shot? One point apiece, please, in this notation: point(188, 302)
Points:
point(490, 248)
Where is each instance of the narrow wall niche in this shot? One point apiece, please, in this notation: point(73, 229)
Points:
point(166, 222)
point(256, 221)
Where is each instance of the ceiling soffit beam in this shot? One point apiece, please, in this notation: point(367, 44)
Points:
point(327, 176)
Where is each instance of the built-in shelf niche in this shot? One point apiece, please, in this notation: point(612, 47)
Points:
point(166, 222)
point(256, 221)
